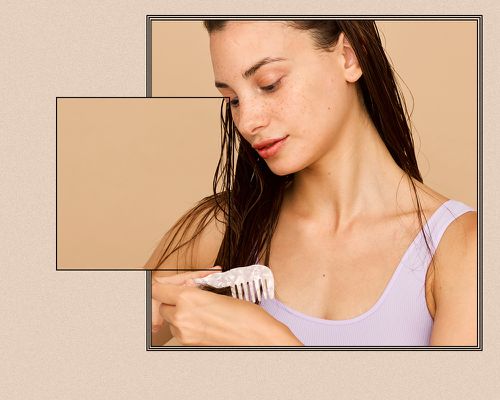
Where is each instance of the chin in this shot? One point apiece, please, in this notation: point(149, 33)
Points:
point(283, 168)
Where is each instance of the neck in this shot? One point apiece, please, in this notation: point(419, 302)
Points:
point(356, 178)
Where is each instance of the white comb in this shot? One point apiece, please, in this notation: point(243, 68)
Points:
point(246, 283)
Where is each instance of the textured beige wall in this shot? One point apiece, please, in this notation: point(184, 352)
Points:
point(78, 335)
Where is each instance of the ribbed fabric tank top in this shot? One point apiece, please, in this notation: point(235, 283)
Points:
point(400, 316)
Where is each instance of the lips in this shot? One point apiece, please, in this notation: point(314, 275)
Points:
point(266, 143)
point(269, 148)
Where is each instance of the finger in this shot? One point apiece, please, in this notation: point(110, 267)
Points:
point(175, 332)
point(166, 293)
point(167, 311)
point(181, 279)
point(156, 319)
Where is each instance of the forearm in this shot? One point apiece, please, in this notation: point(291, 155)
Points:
point(173, 342)
point(281, 336)
point(285, 337)
point(267, 332)
point(285, 340)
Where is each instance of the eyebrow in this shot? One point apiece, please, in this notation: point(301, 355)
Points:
point(253, 69)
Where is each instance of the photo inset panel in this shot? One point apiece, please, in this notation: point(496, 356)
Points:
point(333, 286)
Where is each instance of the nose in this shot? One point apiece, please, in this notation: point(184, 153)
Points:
point(251, 117)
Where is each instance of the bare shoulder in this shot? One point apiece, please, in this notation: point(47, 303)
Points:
point(454, 286)
point(192, 242)
point(459, 241)
point(457, 248)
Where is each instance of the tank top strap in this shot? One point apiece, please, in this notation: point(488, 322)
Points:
point(434, 230)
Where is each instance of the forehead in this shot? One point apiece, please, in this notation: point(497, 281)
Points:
point(242, 43)
point(246, 32)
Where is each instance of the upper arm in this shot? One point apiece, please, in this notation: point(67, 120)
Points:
point(200, 252)
point(455, 285)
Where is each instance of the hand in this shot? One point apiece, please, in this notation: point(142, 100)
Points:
point(202, 318)
point(184, 279)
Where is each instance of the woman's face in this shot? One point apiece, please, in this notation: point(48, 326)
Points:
point(283, 88)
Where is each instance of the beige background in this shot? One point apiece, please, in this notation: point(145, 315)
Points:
point(81, 334)
point(436, 64)
point(128, 168)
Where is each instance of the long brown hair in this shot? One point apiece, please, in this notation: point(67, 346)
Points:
point(247, 196)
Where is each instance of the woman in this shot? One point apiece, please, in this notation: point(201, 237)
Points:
point(326, 191)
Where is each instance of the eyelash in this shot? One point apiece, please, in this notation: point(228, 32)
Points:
point(268, 89)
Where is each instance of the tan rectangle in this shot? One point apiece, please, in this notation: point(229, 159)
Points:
point(127, 169)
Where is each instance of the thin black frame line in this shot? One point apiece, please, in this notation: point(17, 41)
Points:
point(149, 334)
point(57, 174)
point(148, 55)
point(150, 347)
point(341, 348)
point(58, 268)
point(479, 182)
point(479, 187)
point(388, 17)
point(140, 97)
point(132, 269)
point(346, 348)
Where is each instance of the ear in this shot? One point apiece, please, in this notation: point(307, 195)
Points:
point(352, 70)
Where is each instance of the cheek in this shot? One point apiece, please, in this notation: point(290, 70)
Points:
point(329, 106)
point(295, 104)
point(311, 109)
point(316, 118)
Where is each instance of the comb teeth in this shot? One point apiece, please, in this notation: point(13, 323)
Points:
point(257, 288)
point(246, 283)
point(264, 288)
point(240, 291)
point(252, 291)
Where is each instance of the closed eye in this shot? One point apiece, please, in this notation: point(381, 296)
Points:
point(268, 89)
point(272, 87)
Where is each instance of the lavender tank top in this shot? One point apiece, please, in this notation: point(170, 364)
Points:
point(400, 316)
